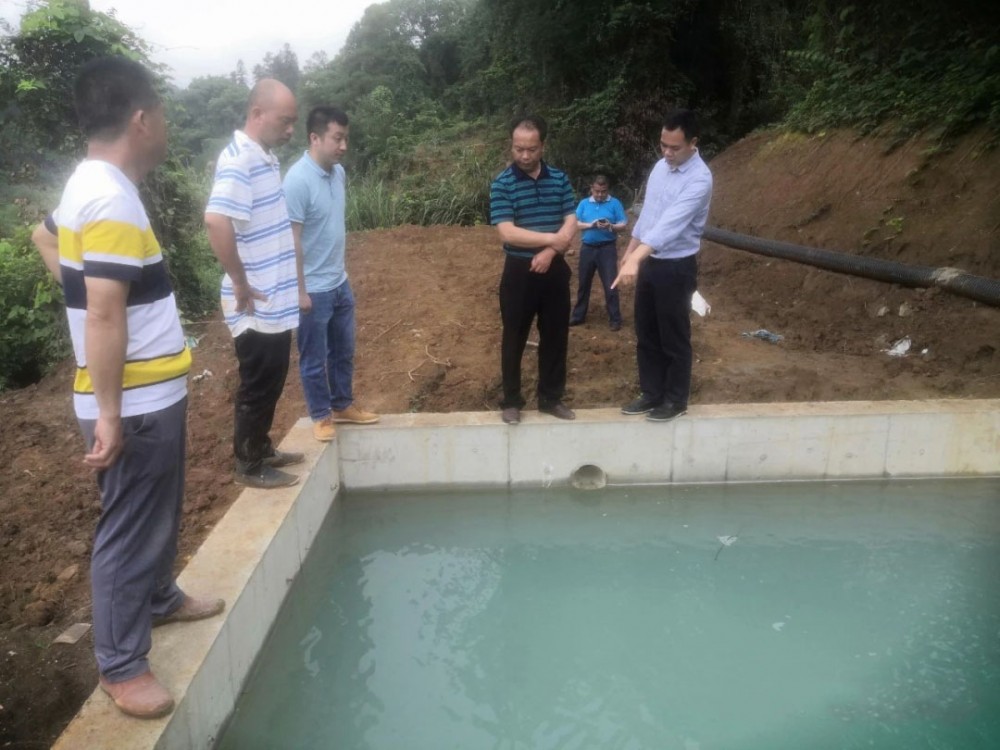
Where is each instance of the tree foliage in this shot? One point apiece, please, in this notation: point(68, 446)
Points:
point(282, 65)
point(916, 65)
point(37, 68)
point(206, 113)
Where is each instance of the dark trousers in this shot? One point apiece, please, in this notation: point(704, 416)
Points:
point(663, 328)
point(602, 258)
point(263, 359)
point(523, 295)
point(131, 568)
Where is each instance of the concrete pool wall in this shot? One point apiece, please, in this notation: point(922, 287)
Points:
point(256, 550)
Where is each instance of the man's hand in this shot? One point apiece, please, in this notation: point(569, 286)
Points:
point(305, 302)
point(108, 443)
point(541, 261)
point(245, 295)
point(628, 272)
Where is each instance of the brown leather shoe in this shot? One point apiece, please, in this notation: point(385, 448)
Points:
point(192, 609)
point(142, 697)
point(355, 415)
point(511, 415)
point(323, 429)
point(559, 410)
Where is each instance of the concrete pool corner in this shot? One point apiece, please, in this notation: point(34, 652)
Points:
point(256, 550)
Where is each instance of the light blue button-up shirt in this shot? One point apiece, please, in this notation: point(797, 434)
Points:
point(317, 200)
point(675, 210)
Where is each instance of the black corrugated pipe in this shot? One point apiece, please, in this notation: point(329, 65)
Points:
point(954, 280)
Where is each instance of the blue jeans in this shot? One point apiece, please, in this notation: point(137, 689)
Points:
point(602, 258)
point(326, 351)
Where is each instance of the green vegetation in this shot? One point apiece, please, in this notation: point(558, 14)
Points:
point(33, 333)
point(914, 66)
point(431, 84)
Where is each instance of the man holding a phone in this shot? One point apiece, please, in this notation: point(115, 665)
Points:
point(599, 217)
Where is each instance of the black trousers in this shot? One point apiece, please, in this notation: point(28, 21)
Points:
point(263, 359)
point(523, 295)
point(663, 293)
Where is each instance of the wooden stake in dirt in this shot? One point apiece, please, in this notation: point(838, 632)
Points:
point(73, 633)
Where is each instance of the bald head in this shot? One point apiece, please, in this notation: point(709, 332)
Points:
point(271, 113)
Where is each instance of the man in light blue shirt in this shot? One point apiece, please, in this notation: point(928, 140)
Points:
point(316, 197)
point(660, 261)
point(600, 217)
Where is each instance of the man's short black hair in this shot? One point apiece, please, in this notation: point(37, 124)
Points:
point(686, 120)
point(601, 179)
point(320, 118)
point(108, 91)
point(530, 122)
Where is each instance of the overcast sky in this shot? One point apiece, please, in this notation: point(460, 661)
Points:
point(207, 37)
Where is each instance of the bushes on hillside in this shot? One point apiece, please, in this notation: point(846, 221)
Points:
point(33, 334)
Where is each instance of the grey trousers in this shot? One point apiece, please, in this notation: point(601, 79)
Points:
point(136, 541)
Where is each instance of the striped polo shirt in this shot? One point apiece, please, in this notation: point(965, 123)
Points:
point(539, 204)
point(247, 189)
point(104, 233)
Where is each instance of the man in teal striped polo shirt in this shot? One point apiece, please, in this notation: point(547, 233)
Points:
point(534, 210)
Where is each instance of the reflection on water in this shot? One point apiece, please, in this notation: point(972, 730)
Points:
point(752, 617)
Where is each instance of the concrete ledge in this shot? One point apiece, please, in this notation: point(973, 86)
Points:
point(250, 558)
point(724, 443)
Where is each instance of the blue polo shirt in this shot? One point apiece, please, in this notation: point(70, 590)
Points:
point(590, 210)
point(317, 200)
point(540, 204)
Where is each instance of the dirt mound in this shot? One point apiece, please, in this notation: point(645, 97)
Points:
point(428, 339)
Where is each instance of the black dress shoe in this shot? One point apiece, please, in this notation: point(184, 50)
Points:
point(283, 458)
point(559, 410)
point(665, 413)
point(511, 415)
point(642, 405)
point(616, 326)
point(265, 478)
point(575, 323)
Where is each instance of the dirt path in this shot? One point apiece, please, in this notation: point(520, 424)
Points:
point(428, 335)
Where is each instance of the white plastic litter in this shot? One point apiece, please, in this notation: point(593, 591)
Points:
point(700, 305)
point(728, 541)
point(899, 348)
point(204, 374)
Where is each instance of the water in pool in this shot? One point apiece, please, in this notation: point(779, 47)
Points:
point(752, 617)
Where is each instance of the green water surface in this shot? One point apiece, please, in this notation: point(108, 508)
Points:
point(750, 617)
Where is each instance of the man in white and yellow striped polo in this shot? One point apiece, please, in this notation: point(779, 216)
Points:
point(130, 391)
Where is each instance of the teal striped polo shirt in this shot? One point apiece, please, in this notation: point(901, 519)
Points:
point(539, 204)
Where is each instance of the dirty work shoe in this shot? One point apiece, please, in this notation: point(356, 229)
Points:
point(665, 413)
point(142, 697)
point(323, 429)
point(615, 326)
point(284, 458)
point(642, 405)
point(265, 478)
point(559, 410)
point(576, 323)
point(192, 609)
point(511, 415)
point(355, 415)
